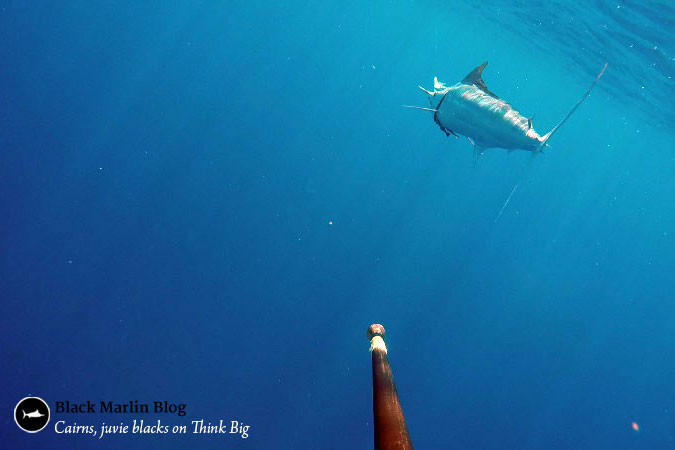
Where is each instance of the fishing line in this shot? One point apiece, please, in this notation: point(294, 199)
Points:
point(547, 136)
point(521, 179)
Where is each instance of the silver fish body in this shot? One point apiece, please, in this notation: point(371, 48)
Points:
point(488, 121)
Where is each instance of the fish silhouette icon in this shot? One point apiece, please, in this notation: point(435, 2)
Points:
point(33, 414)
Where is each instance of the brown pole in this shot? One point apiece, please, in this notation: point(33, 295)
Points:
point(390, 430)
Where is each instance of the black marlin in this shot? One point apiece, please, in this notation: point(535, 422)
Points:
point(469, 108)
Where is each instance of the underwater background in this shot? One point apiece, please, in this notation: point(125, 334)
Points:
point(209, 202)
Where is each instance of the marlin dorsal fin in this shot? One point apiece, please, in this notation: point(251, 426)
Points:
point(474, 77)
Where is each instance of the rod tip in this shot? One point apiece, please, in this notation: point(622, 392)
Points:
point(375, 330)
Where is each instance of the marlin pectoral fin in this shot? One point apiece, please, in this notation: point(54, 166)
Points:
point(445, 130)
point(448, 132)
point(475, 77)
point(529, 123)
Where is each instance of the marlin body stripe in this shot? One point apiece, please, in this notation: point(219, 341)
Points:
point(469, 108)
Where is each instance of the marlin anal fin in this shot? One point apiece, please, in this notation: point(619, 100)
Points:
point(475, 77)
point(548, 135)
point(480, 149)
point(477, 150)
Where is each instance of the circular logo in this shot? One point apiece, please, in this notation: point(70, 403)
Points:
point(31, 414)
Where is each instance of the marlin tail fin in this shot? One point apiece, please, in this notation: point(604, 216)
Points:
point(548, 135)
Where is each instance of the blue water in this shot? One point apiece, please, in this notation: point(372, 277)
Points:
point(209, 202)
